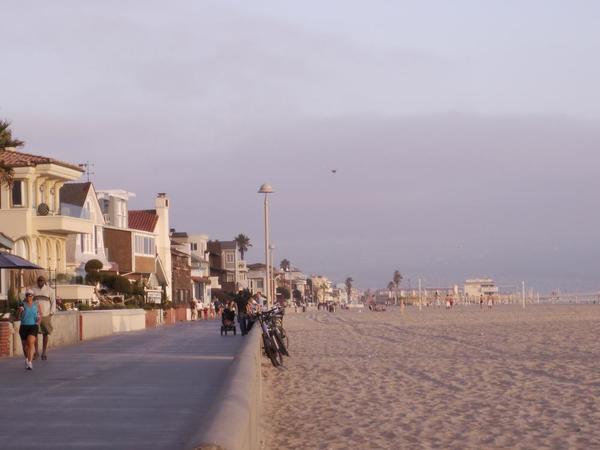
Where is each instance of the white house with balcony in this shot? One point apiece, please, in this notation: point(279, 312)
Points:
point(477, 287)
point(31, 211)
point(83, 247)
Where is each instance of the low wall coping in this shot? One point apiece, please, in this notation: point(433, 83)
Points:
point(123, 312)
point(238, 403)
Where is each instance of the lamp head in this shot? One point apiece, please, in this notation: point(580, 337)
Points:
point(266, 189)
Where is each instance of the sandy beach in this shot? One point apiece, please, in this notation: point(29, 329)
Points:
point(464, 378)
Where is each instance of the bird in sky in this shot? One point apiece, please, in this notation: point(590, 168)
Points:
point(333, 170)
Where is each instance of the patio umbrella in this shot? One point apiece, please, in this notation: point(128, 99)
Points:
point(14, 262)
point(8, 261)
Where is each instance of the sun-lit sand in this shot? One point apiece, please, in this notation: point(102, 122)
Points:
point(465, 378)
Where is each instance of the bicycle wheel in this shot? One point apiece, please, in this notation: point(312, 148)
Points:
point(277, 348)
point(271, 351)
point(285, 338)
point(280, 343)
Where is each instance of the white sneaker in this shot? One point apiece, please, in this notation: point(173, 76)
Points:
point(26, 363)
point(29, 365)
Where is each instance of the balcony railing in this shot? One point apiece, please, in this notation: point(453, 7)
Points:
point(67, 209)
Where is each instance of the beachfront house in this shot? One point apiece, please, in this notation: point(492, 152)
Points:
point(32, 213)
point(257, 278)
point(477, 287)
point(202, 282)
point(181, 260)
point(226, 265)
point(80, 248)
point(135, 240)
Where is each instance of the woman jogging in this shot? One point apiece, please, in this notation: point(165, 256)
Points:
point(30, 319)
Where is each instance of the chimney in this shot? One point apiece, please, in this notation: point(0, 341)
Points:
point(164, 240)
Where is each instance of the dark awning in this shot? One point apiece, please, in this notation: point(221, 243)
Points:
point(8, 261)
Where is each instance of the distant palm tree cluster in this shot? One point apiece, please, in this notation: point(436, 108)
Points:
point(394, 284)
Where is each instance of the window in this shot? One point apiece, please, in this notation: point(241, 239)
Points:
point(230, 257)
point(194, 246)
point(17, 193)
point(144, 245)
point(260, 284)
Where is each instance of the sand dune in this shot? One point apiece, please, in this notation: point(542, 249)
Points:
point(463, 378)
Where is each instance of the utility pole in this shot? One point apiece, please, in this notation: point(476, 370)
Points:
point(523, 294)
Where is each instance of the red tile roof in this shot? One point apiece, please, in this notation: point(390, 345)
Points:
point(144, 220)
point(13, 159)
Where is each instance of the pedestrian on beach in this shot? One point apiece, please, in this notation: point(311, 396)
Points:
point(481, 301)
point(43, 295)
point(29, 312)
point(490, 302)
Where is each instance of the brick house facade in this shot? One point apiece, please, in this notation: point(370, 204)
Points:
point(181, 277)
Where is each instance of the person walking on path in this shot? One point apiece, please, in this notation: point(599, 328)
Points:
point(194, 308)
point(44, 296)
point(28, 330)
point(241, 302)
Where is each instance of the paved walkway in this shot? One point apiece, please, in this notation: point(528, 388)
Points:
point(149, 389)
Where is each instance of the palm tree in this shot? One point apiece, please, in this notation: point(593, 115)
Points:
point(348, 283)
point(243, 243)
point(6, 140)
point(285, 265)
point(397, 279)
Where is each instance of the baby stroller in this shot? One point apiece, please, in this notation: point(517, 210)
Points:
point(228, 321)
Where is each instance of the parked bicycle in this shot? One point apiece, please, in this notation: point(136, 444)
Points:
point(275, 341)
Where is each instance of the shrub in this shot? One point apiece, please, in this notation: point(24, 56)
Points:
point(138, 289)
point(105, 306)
point(108, 280)
point(122, 285)
point(92, 278)
point(284, 292)
point(93, 265)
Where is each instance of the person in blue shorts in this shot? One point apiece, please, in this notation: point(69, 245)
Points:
point(28, 331)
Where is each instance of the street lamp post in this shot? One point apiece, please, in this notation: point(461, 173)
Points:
point(272, 273)
point(267, 189)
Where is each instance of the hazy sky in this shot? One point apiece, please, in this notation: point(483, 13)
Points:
point(465, 134)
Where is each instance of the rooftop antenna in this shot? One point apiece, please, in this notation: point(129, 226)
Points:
point(87, 166)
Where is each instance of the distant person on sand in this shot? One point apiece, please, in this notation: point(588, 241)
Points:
point(490, 302)
point(481, 301)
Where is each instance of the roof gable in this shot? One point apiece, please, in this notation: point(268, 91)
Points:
point(74, 193)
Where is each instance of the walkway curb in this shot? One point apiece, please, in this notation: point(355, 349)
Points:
point(233, 422)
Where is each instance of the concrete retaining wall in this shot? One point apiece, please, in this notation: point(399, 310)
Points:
point(95, 324)
point(65, 332)
point(234, 423)
point(128, 320)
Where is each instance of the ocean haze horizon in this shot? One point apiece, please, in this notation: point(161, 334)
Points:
point(454, 158)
